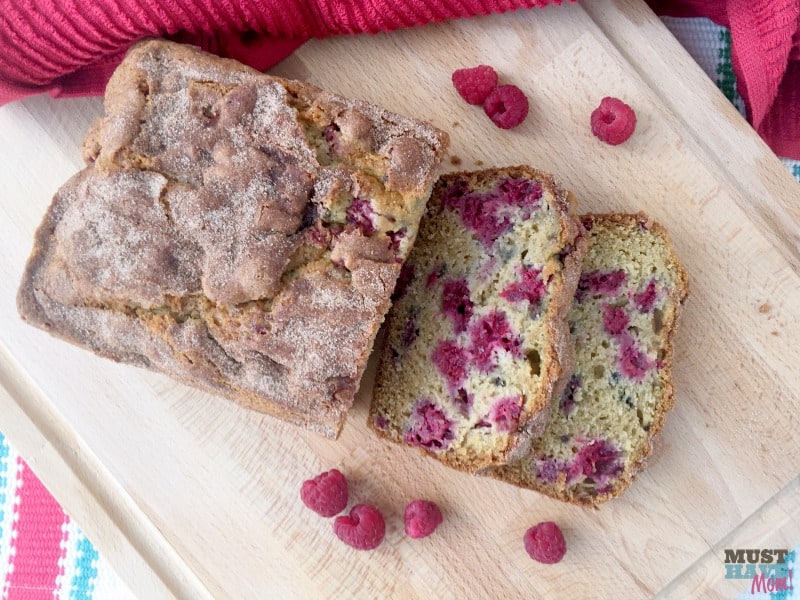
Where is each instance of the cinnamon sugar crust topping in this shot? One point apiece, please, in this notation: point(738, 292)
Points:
point(239, 232)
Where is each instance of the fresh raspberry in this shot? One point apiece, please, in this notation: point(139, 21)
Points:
point(613, 121)
point(362, 529)
point(545, 542)
point(506, 106)
point(421, 518)
point(326, 494)
point(474, 84)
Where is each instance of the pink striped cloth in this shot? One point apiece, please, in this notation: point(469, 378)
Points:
point(43, 554)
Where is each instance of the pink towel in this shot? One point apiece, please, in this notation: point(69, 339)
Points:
point(70, 47)
point(765, 49)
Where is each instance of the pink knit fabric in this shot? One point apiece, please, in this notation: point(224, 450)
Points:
point(70, 47)
point(766, 60)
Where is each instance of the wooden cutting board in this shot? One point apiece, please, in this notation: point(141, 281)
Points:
point(189, 495)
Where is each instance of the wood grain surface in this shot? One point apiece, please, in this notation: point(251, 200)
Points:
point(190, 496)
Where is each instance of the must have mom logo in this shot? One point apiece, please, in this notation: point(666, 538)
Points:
point(766, 567)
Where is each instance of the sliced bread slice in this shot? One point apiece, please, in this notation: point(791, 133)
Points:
point(623, 320)
point(477, 336)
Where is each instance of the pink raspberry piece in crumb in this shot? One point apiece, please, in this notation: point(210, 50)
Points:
point(404, 280)
point(363, 529)
point(600, 283)
point(599, 459)
point(463, 400)
point(647, 298)
point(475, 84)
point(451, 361)
point(492, 332)
point(545, 543)
point(522, 193)
point(326, 494)
point(429, 427)
point(505, 413)
point(359, 213)
point(615, 320)
point(633, 362)
point(568, 396)
point(410, 331)
point(421, 518)
point(480, 212)
point(395, 238)
point(613, 122)
point(530, 287)
point(506, 106)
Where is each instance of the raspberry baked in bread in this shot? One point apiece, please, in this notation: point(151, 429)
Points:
point(239, 232)
point(614, 403)
point(477, 336)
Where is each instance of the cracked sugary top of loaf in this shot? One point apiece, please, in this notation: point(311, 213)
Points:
point(240, 232)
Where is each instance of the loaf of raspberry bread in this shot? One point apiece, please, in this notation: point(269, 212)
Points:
point(477, 336)
point(623, 320)
point(239, 232)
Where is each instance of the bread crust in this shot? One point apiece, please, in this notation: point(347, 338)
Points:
point(203, 240)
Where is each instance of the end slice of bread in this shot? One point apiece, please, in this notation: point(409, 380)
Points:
point(238, 232)
point(477, 337)
point(623, 321)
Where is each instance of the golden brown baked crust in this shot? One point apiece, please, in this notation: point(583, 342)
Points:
point(239, 232)
point(531, 471)
point(558, 242)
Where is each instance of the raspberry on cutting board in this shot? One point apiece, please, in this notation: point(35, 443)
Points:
point(475, 84)
point(421, 518)
point(613, 122)
point(545, 543)
point(363, 529)
point(506, 106)
point(326, 494)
